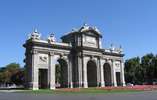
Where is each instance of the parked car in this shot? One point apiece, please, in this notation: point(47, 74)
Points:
point(129, 84)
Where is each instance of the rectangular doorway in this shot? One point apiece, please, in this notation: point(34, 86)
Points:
point(43, 78)
point(118, 78)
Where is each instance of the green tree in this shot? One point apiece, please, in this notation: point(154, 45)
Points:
point(7, 72)
point(2, 76)
point(141, 71)
point(131, 67)
point(18, 78)
point(155, 67)
point(148, 65)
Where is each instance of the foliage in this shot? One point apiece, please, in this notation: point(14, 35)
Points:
point(12, 73)
point(58, 73)
point(18, 78)
point(141, 70)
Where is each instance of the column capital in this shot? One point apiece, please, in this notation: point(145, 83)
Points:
point(83, 55)
point(113, 60)
point(122, 61)
point(92, 58)
point(51, 53)
point(34, 52)
point(100, 57)
point(110, 61)
point(61, 55)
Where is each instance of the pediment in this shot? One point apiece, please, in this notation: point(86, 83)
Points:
point(90, 31)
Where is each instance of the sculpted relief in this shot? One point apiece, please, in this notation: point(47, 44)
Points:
point(43, 59)
point(117, 66)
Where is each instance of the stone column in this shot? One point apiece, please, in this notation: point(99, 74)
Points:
point(102, 73)
point(98, 73)
point(85, 84)
point(35, 70)
point(70, 82)
point(52, 62)
point(80, 70)
point(114, 81)
point(122, 74)
point(68, 69)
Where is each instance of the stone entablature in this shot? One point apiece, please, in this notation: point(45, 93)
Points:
point(83, 61)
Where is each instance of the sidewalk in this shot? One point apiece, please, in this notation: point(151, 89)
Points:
point(10, 91)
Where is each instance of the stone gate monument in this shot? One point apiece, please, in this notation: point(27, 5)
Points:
point(82, 60)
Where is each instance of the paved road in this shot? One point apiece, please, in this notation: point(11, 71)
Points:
point(118, 96)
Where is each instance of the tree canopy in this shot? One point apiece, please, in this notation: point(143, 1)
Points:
point(141, 70)
point(12, 74)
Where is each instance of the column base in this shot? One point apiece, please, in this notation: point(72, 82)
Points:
point(85, 85)
point(52, 86)
point(123, 84)
point(35, 88)
point(71, 84)
point(80, 84)
point(34, 85)
point(113, 84)
point(102, 84)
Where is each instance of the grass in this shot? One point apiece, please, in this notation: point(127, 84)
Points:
point(78, 91)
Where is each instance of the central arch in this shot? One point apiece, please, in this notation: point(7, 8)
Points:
point(107, 74)
point(91, 74)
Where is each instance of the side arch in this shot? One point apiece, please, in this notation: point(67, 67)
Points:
point(107, 74)
point(63, 77)
point(91, 73)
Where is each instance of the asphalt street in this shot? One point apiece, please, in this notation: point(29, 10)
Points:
point(148, 95)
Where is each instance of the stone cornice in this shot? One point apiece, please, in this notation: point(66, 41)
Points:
point(63, 47)
point(99, 50)
point(48, 45)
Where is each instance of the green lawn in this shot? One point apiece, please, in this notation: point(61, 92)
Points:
point(78, 91)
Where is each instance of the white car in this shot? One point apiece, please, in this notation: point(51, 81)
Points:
point(129, 84)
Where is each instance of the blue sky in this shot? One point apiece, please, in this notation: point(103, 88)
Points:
point(130, 23)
